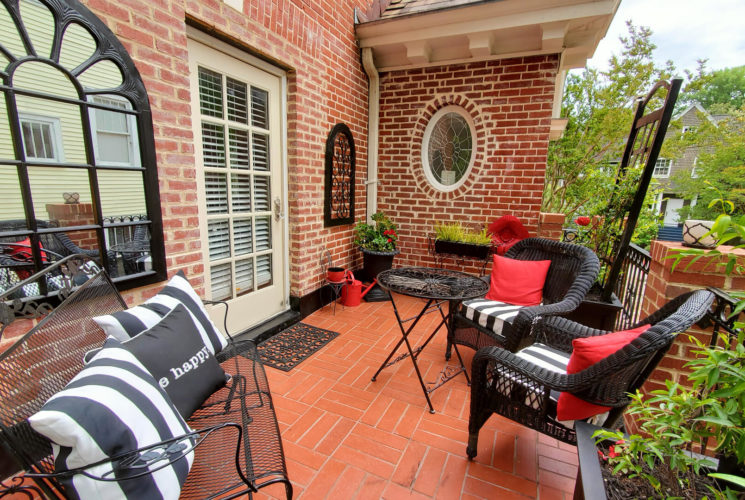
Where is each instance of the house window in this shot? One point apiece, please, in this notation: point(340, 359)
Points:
point(114, 130)
point(662, 167)
point(41, 138)
point(448, 148)
point(78, 127)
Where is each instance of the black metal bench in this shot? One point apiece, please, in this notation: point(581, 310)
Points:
point(238, 448)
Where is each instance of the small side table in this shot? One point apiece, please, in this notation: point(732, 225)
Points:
point(336, 287)
point(436, 286)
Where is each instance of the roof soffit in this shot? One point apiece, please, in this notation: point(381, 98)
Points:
point(490, 30)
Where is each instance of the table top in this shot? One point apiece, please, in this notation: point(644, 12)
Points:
point(432, 283)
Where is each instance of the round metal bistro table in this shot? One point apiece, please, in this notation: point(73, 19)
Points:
point(436, 286)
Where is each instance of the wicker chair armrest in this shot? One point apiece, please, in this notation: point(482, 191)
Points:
point(559, 332)
point(522, 333)
point(148, 459)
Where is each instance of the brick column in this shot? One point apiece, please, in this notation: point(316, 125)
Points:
point(550, 226)
point(664, 284)
point(74, 214)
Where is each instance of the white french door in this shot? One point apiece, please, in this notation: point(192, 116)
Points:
point(236, 115)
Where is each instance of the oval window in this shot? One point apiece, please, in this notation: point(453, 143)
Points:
point(447, 151)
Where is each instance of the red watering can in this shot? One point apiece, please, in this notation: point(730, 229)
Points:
point(352, 292)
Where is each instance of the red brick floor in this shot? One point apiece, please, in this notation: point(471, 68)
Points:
point(348, 437)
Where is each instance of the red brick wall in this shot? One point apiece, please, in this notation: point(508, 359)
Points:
point(74, 214)
point(510, 102)
point(664, 284)
point(326, 85)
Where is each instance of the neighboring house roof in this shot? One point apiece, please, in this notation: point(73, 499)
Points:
point(697, 108)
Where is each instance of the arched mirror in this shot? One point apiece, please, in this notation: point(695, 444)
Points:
point(77, 155)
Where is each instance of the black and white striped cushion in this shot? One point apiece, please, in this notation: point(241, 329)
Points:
point(490, 313)
point(124, 325)
point(545, 356)
point(113, 405)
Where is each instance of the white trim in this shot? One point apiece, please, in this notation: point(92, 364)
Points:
point(373, 125)
point(220, 46)
point(285, 185)
point(656, 166)
point(55, 128)
point(425, 147)
point(133, 142)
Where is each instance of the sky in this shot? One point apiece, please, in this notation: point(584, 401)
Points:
point(683, 30)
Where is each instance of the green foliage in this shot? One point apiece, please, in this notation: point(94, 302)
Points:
point(724, 88)
point(381, 236)
point(672, 419)
point(720, 164)
point(455, 231)
point(581, 166)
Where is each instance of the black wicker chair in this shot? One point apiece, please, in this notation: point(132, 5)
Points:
point(509, 385)
point(14, 267)
point(571, 274)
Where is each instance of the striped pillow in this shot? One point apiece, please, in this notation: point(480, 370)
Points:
point(490, 314)
point(111, 406)
point(124, 325)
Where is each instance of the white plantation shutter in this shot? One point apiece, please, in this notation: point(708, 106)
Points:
point(235, 155)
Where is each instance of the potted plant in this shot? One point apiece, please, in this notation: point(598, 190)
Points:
point(659, 462)
point(377, 241)
point(454, 238)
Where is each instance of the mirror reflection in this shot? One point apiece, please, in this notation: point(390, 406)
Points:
point(69, 141)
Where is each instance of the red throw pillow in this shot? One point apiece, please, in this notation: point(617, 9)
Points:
point(585, 353)
point(21, 251)
point(518, 282)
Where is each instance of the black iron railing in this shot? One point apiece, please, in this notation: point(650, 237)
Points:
point(631, 285)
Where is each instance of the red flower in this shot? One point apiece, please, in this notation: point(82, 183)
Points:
point(612, 453)
point(582, 220)
point(389, 240)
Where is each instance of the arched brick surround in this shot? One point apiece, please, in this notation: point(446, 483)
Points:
point(510, 102)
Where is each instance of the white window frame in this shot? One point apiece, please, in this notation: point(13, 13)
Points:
point(425, 147)
point(55, 127)
point(132, 144)
point(694, 175)
point(659, 165)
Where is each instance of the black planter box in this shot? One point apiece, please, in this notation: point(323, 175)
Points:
point(463, 249)
point(596, 313)
point(590, 484)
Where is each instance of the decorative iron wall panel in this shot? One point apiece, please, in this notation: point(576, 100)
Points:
point(338, 206)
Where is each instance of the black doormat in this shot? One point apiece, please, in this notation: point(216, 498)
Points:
point(292, 345)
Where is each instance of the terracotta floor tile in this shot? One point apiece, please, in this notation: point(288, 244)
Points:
point(335, 436)
point(349, 483)
point(548, 493)
point(363, 460)
point(430, 472)
point(348, 437)
point(453, 478)
point(408, 467)
point(556, 481)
